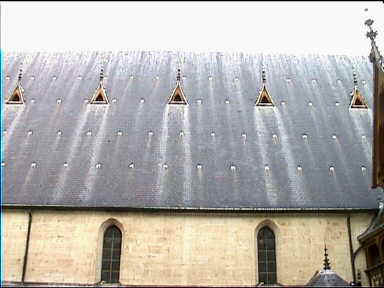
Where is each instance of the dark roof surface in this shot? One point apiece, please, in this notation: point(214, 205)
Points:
point(146, 133)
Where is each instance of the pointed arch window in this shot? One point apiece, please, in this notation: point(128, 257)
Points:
point(110, 265)
point(266, 254)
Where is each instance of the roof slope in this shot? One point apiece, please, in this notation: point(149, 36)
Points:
point(327, 278)
point(138, 127)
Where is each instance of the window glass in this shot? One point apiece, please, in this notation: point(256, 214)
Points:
point(110, 265)
point(266, 256)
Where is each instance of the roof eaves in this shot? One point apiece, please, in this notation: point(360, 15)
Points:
point(192, 209)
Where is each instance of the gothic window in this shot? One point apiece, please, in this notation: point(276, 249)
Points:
point(266, 253)
point(110, 265)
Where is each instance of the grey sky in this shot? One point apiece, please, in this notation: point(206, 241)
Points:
point(268, 27)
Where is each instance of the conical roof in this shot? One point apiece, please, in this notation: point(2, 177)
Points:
point(327, 278)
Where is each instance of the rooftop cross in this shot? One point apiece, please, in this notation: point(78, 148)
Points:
point(327, 265)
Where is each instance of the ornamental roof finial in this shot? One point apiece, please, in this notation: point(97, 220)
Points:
point(375, 54)
point(20, 72)
point(355, 79)
point(101, 74)
point(263, 77)
point(327, 265)
point(178, 77)
point(370, 34)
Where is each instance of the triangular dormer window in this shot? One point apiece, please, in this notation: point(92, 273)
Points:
point(17, 95)
point(100, 96)
point(357, 100)
point(264, 98)
point(177, 96)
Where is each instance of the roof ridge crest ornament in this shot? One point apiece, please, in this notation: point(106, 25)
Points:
point(374, 56)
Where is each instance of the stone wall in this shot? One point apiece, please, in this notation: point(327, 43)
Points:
point(177, 248)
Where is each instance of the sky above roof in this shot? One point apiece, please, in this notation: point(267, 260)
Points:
point(267, 27)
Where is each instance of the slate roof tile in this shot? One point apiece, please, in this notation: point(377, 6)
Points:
point(321, 80)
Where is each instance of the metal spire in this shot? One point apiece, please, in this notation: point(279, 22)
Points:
point(101, 74)
point(20, 73)
point(375, 54)
point(178, 77)
point(263, 75)
point(327, 265)
point(355, 79)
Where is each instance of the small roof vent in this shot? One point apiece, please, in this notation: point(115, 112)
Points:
point(177, 96)
point(17, 95)
point(100, 96)
point(264, 98)
point(357, 100)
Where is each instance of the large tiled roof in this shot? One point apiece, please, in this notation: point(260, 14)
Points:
point(230, 154)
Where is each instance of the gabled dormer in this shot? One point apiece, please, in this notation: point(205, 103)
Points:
point(357, 100)
point(264, 99)
point(100, 95)
point(17, 95)
point(177, 96)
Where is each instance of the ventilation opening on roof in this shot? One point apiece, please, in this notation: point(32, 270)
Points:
point(264, 99)
point(100, 97)
point(178, 96)
point(16, 97)
point(358, 100)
